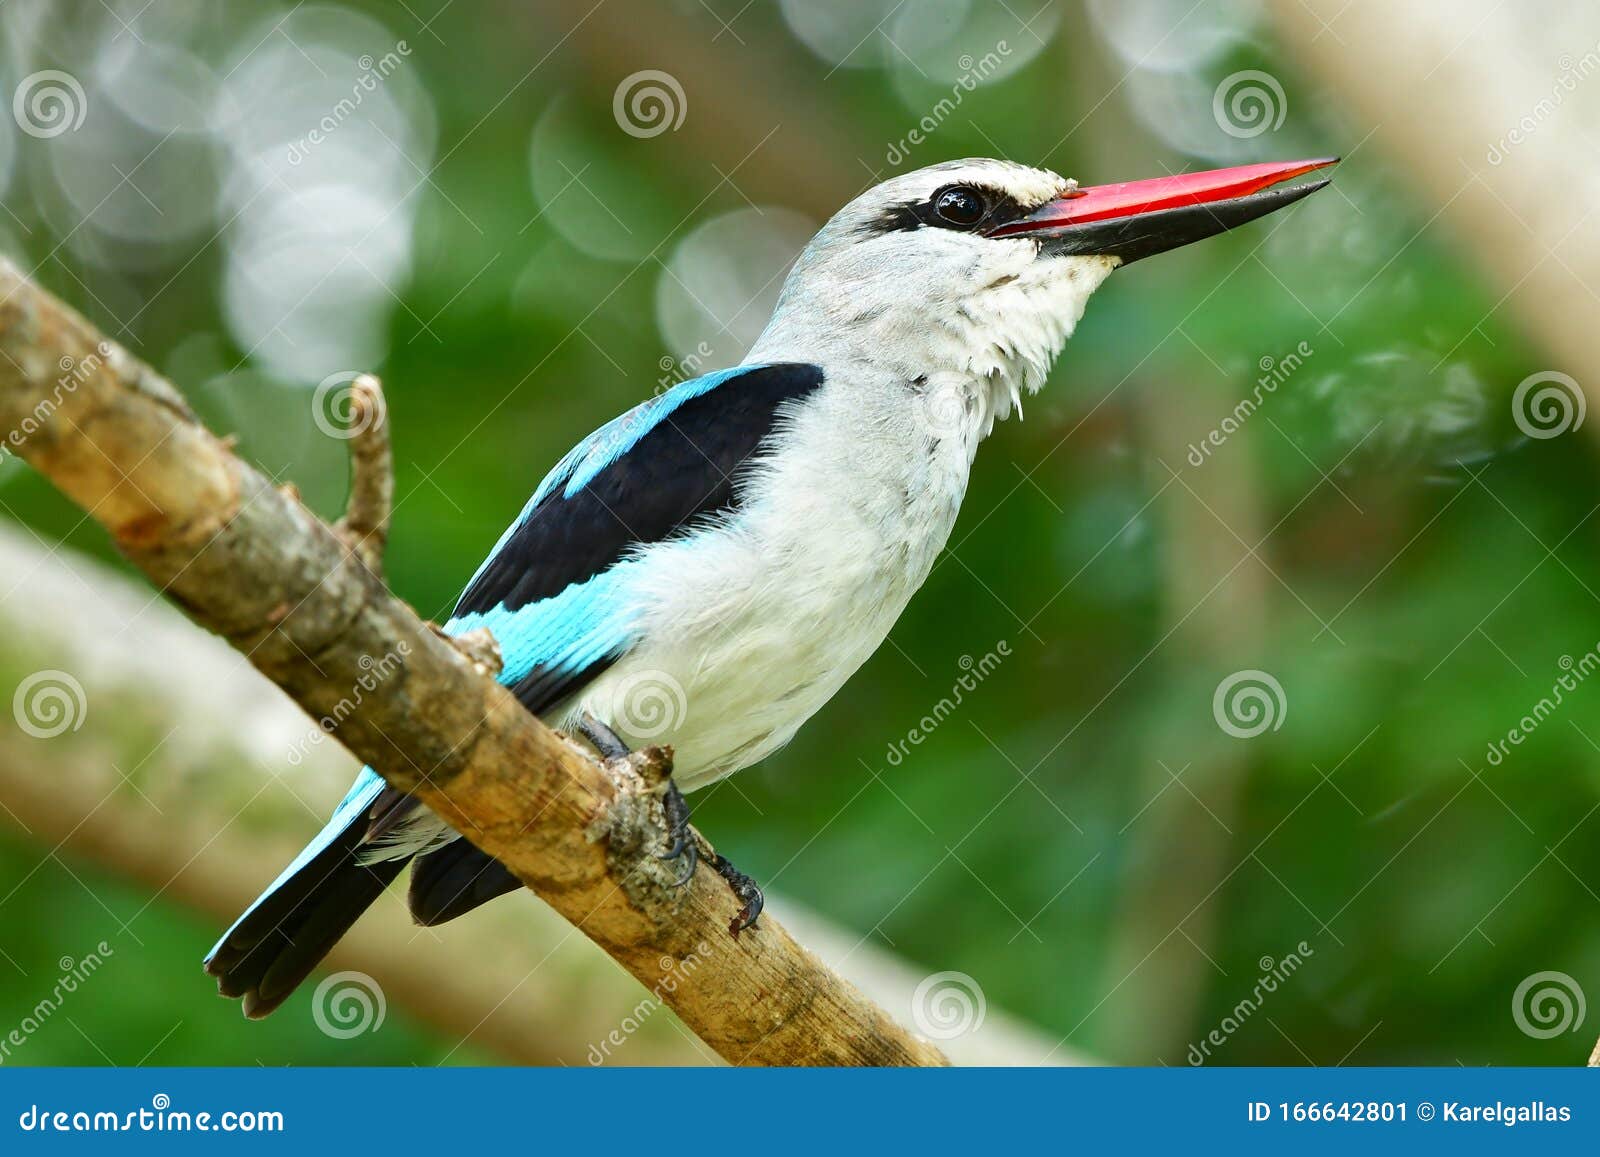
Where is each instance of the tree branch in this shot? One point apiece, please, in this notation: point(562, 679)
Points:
point(250, 562)
point(365, 525)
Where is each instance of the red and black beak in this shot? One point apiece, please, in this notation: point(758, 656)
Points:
point(1137, 218)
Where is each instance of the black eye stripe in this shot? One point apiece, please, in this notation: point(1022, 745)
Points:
point(997, 208)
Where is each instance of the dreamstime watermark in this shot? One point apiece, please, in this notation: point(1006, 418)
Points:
point(973, 73)
point(74, 372)
point(638, 421)
point(1273, 974)
point(1571, 72)
point(673, 973)
point(73, 973)
point(373, 73)
point(622, 432)
point(975, 672)
point(374, 672)
point(347, 1004)
point(948, 1005)
point(49, 703)
point(648, 103)
point(948, 402)
point(647, 704)
point(333, 405)
point(676, 371)
point(1249, 702)
point(1575, 673)
point(1547, 1004)
point(160, 1117)
point(49, 103)
point(1548, 404)
point(1249, 103)
point(1274, 372)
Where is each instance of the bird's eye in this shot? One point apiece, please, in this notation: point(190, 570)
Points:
point(959, 205)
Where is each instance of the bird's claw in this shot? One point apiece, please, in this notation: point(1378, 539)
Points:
point(691, 861)
point(746, 890)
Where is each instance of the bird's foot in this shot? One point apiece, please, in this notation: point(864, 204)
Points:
point(681, 837)
point(683, 846)
point(744, 889)
point(602, 738)
point(686, 844)
point(683, 841)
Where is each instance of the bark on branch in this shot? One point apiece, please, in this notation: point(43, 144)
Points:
point(249, 562)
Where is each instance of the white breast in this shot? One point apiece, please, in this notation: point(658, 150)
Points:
point(745, 632)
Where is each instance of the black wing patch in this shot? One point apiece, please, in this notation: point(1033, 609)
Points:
point(680, 470)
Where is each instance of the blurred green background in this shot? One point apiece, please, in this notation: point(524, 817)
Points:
point(1080, 836)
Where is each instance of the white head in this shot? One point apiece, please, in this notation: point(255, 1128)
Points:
point(982, 268)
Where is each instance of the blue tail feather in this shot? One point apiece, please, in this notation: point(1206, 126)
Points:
point(283, 935)
point(357, 800)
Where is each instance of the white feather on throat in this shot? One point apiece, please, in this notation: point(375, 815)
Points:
point(1016, 329)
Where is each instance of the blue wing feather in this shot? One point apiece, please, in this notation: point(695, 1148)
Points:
point(568, 631)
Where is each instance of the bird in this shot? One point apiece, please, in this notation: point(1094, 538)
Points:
point(707, 570)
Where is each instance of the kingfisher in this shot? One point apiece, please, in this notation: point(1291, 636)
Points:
point(707, 570)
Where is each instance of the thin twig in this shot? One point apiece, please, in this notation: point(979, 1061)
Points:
point(365, 525)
